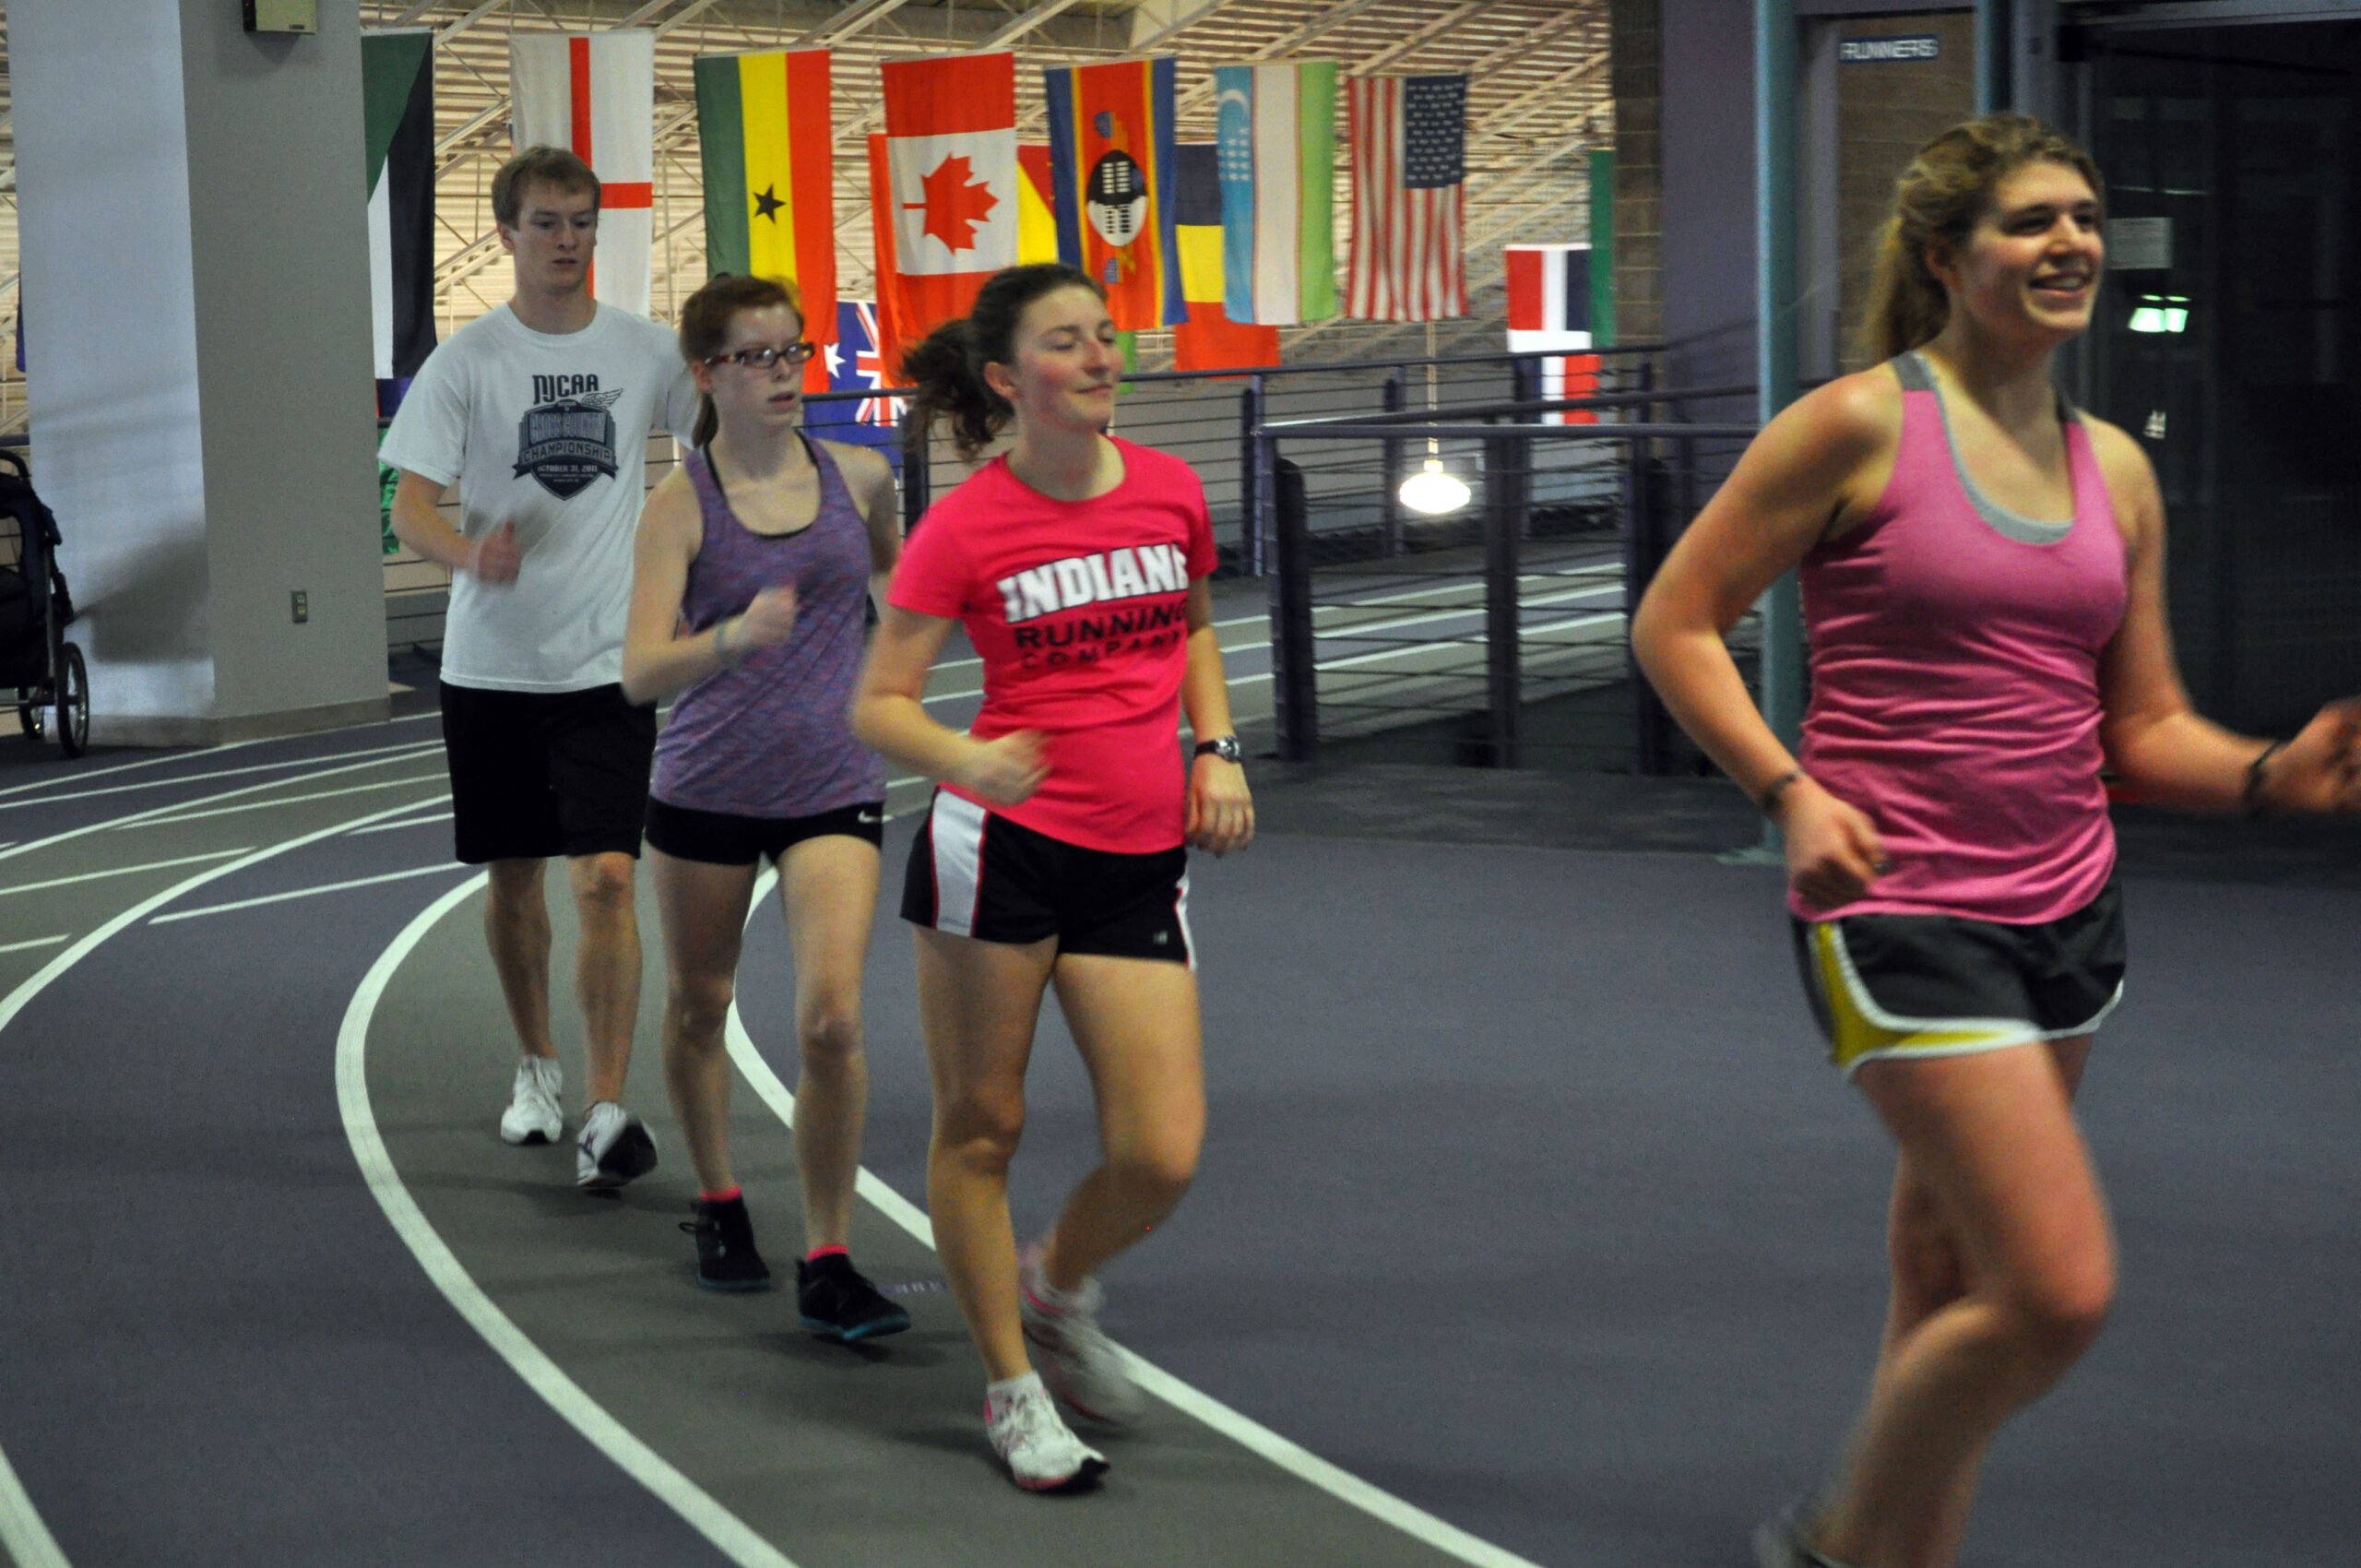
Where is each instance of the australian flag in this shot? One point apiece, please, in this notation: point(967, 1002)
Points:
point(855, 365)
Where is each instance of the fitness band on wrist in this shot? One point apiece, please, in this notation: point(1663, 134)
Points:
point(2250, 799)
point(1768, 801)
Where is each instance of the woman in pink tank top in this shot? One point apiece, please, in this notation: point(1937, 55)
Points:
point(1982, 572)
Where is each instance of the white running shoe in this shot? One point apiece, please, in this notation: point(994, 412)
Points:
point(534, 1115)
point(1079, 1361)
point(1780, 1543)
point(1041, 1452)
point(613, 1149)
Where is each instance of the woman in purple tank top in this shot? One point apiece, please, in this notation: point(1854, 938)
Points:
point(749, 607)
point(1981, 571)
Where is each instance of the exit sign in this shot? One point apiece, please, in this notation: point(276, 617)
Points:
point(1890, 51)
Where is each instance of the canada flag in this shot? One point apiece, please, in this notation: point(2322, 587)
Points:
point(950, 196)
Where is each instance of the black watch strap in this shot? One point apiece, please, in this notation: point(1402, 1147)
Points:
point(1223, 746)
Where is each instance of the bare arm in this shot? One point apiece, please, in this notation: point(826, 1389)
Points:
point(889, 715)
point(870, 479)
point(419, 525)
point(1815, 466)
point(1221, 810)
point(2163, 749)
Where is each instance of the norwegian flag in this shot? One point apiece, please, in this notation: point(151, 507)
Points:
point(856, 365)
point(1409, 160)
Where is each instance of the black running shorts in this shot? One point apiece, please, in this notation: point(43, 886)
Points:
point(535, 775)
point(1906, 986)
point(973, 874)
point(722, 839)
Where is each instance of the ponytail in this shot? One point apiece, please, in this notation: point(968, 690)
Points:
point(1935, 203)
point(947, 366)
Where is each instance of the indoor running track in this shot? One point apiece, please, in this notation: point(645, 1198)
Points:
point(1527, 1212)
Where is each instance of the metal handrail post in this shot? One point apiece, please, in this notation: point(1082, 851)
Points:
point(1250, 477)
point(1295, 688)
point(1395, 391)
point(918, 480)
point(1504, 521)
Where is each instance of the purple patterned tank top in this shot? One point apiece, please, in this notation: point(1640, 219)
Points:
point(770, 736)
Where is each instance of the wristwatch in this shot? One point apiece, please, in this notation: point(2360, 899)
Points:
point(1223, 746)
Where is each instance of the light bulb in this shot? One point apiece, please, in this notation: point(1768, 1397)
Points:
point(1434, 491)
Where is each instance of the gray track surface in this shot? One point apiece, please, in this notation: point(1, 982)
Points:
point(1527, 1197)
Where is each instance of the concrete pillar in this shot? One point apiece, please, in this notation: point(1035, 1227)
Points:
point(192, 222)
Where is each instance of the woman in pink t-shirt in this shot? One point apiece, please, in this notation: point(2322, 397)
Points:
point(1976, 661)
point(1056, 851)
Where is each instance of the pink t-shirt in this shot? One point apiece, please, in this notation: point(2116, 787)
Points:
point(1955, 697)
point(1078, 610)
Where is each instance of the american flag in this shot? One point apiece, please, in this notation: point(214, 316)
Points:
point(1409, 155)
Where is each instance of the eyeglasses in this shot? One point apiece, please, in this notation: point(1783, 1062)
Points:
point(765, 355)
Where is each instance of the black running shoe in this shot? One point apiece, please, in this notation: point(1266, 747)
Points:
point(726, 1256)
point(837, 1302)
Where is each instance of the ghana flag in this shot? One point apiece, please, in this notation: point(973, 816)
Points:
point(769, 179)
point(1111, 155)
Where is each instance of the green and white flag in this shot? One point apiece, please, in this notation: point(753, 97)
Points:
point(1276, 141)
point(397, 101)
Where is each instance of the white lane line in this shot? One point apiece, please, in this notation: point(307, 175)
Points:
point(184, 757)
point(728, 1533)
point(36, 942)
point(152, 813)
point(1327, 664)
point(1243, 1429)
point(123, 870)
point(413, 822)
point(413, 747)
point(150, 821)
point(306, 892)
point(21, 1530)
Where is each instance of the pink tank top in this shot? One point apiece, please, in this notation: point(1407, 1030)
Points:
point(1954, 668)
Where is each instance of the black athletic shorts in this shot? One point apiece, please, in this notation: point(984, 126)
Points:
point(973, 874)
point(1907, 986)
point(722, 839)
point(535, 775)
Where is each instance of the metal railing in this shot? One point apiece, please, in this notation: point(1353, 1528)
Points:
point(1491, 629)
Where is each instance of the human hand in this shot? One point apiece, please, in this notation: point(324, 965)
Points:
point(1834, 850)
point(2320, 770)
point(766, 622)
point(495, 557)
point(1007, 770)
point(1221, 809)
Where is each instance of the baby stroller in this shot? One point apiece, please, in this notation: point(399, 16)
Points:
point(35, 609)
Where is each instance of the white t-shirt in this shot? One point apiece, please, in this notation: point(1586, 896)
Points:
point(549, 430)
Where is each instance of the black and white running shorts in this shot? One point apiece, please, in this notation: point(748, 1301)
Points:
point(975, 874)
point(1888, 987)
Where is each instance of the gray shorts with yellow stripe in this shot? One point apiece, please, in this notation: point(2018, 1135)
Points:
point(1888, 987)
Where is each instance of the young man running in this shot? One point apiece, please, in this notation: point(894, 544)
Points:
point(540, 411)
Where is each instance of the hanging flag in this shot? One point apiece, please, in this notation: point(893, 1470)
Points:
point(1110, 151)
point(597, 97)
point(1036, 218)
point(1410, 145)
point(1275, 126)
point(855, 365)
point(397, 105)
point(769, 176)
point(1550, 312)
point(951, 186)
point(1208, 339)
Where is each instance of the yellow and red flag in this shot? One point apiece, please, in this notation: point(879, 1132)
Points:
point(1208, 339)
point(769, 175)
point(1111, 166)
point(1036, 204)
